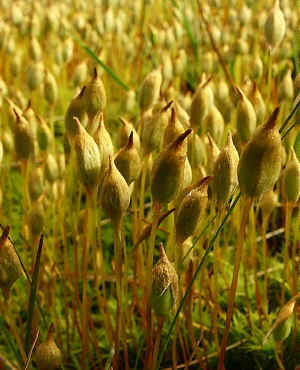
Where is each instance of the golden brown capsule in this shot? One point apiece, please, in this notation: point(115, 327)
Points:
point(164, 285)
point(48, 356)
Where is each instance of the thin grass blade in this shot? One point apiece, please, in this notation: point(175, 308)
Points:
point(104, 66)
point(32, 298)
point(189, 288)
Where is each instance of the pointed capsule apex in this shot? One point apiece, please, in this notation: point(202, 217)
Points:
point(273, 118)
point(240, 93)
point(130, 141)
point(173, 115)
point(28, 105)
point(229, 139)
point(166, 107)
point(50, 332)
point(123, 121)
point(17, 114)
point(4, 235)
point(162, 251)
point(293, 155)
point(181, 137)
point(205, 83)
point(205, 181)
point(95, 73)
point(80, 95)
point(77, 121)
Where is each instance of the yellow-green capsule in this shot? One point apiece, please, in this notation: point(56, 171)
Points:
point(225, 172)
point(201, 104)
point(115, 194)
point(104, 142)
point(260, 163)
point(190, 211)
point(275, 26)
point(246, 118)
point(87, 156)
point(128, 161)
point(23, 138)
point(94, 96)
point(75, 109)
point(168, 170)
point(291, 178)
point(150, 89)
point(125, 132)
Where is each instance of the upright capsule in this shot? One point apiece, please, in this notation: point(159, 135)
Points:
point(115, 194)
point(190, 211)
point(291, 178)
point(260, 163)
point(168, 170)
point(164, 285)
point(275, 27)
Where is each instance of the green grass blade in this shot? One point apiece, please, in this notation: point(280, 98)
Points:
point(32, 297)
point(10, 342)
point(104, 66)
point(28, 278)
point(109, 359)
point(198, 238)
point(188, 30)
point(296, 54)
point(293, 111)
point(189, 288)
